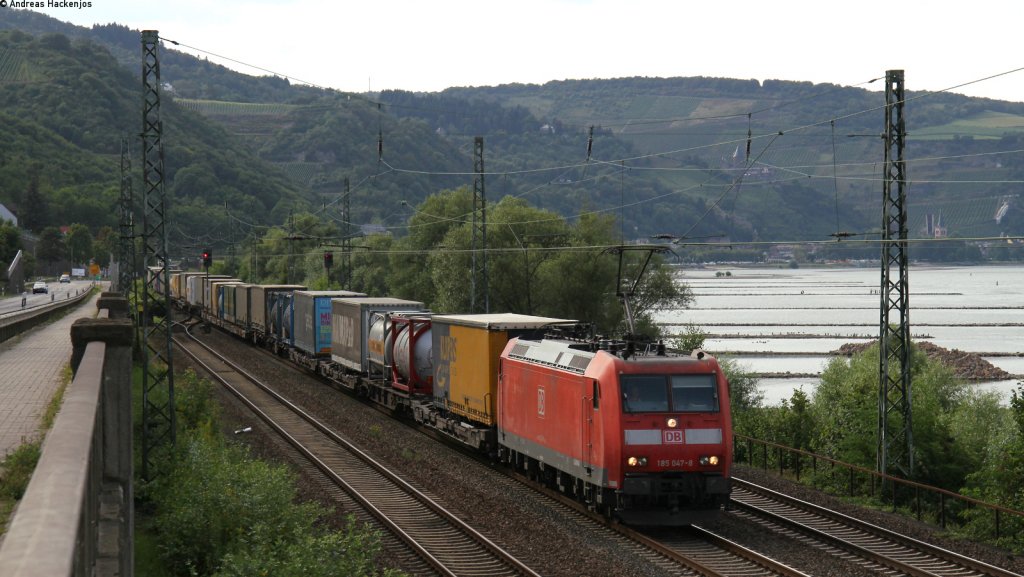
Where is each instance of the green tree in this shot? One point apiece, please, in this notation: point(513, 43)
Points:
point(798, 424)
point(658, 289)
point(429, 227)
point(220, 512)
point(107, 243)
point(370, 266)
point(520, 239)
point(998, 477)
point(306, 552)
point(79, 244)
point(51, 247)
point(745, 399)
point(578, 282)
point(845, 407)
point(538, 264)
point(450, 269)
point(691, 339)
point(35, 210)
point(293, 256)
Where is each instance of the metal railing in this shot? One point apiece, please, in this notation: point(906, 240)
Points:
point(76, 517)
point(928, 504)
point(17, 322)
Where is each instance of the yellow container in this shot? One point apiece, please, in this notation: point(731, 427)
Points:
point(467, 356)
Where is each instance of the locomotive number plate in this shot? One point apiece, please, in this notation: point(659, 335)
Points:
point(675, 462)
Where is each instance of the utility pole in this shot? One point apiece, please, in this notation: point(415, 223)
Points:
point(126, 264)
point(346, 239)
point(158, 373)
point(479, 295)
point(895, 439)
point(291, 252)
point(253, 263)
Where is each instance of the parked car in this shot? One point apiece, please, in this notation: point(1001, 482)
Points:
point(40, 287)
point(65, 278)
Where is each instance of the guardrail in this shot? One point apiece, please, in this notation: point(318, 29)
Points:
point(20, 321)
point(928, 504)
point(76, 518)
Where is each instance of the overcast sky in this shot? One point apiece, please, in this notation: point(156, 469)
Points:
point(429, 45)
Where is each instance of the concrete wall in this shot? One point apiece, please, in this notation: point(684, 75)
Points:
point(77, 515)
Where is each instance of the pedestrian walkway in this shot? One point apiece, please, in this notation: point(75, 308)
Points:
point(31, 367)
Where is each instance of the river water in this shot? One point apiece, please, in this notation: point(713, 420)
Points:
point(779, 321)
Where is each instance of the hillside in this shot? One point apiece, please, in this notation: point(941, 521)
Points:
point(794, 140)
point(666, 156)
point(67, 105)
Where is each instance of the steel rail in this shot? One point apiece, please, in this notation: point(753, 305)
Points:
point(902, 553)
point(372, 505)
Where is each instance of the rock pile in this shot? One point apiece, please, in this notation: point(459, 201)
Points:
point(965, 365)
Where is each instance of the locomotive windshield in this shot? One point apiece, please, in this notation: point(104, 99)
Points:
point(694, 393)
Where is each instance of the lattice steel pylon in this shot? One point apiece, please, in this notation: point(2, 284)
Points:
point(158, 430)
point(895, 438)
point(126, 262)
point(346, 239)
point(479, 294)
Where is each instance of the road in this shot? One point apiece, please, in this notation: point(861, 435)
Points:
point(58, 291)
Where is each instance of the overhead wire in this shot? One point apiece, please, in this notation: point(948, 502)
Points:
point(288, 77)
point(1016, 242)
point(735, 184)
point(632, 122)
point(835, 181)
point(622, 161)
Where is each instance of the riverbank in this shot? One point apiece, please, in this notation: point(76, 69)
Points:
point(964, 364)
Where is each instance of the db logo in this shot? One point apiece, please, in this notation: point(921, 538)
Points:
point(673, 437)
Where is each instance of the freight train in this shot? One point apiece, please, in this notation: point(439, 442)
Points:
point(641, 434)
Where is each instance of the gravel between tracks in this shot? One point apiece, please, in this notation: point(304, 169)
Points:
point(899, 523)
point(520, 521)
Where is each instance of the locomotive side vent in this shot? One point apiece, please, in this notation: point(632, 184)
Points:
point(579, 362)
point(560, 356)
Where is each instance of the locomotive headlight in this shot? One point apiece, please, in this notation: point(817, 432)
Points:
point(637, 461)
point(672, 423)
point(709, 460)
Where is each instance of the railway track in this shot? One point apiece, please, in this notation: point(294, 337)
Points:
point(678, 551)
point(685, 552)
point(711, 554)
point(440, 539)
point(698, 552)
point(870, 546)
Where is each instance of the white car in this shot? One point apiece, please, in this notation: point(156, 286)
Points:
point(40, 287)
point(65, 278)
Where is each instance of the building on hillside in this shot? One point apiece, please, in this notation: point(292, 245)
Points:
point(933, 227)
point(372, 229)
point(7, 215)
point(12, 275)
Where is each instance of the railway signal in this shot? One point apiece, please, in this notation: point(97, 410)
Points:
point(207, 258)
point(328, 259)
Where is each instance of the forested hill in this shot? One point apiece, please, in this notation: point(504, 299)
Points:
point(812, 148)
point(734, 159)
point(67, 104)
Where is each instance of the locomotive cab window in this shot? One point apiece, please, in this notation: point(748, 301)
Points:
point(644, 393)
point(694, 393)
